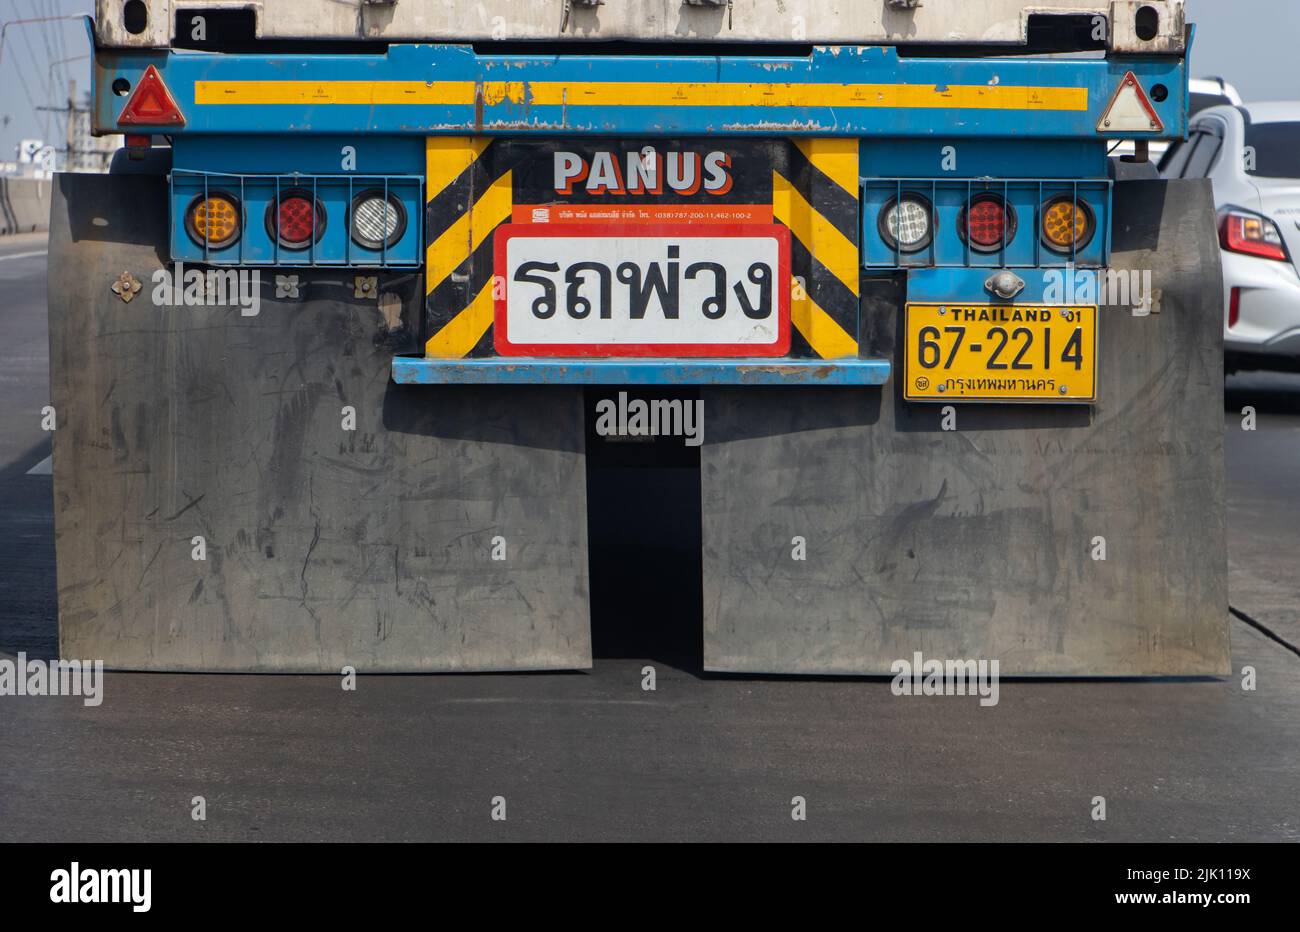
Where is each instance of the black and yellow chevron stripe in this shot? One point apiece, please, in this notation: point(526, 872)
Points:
point(819, 203)
point(467, 199)
point(470, 193)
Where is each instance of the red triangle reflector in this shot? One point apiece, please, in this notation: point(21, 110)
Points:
point(1130, 110)
point(151, 104)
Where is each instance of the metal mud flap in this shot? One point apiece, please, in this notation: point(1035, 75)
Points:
point(242, 488)
point(845, 529)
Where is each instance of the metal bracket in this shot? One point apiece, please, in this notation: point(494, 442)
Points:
point(365, 286)
point(1148, 26)
point(1004, 284)
point(126, 286)
point(286, 286)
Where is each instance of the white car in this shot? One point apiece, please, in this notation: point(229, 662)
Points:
point(1252, 155)
point(1203, 93)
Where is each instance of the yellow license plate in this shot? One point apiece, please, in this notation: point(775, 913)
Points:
point(983, 352)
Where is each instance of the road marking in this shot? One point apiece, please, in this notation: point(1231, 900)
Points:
point(44, 468)
point(24, 255)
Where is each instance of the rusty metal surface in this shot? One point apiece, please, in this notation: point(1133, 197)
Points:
point(828, 21)
point(1127, 22)
point(977, 542)
point(324, 546)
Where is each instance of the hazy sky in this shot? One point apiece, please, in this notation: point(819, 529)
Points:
point(29, 52)
point(1251, 43)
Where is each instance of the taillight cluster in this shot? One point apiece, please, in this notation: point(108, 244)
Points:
point(1067, 223)
point(907, 223)
point(986, 223)
point(296, 220)
point(214, 220)
point(1250, 234)
point(378, 222)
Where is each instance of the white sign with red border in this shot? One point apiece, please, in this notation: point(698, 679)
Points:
point(592, 289)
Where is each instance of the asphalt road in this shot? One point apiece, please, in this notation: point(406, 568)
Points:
point(592, 756)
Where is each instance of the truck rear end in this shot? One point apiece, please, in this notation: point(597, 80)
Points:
point(328, 346)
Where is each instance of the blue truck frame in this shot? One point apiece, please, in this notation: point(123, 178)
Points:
point(1024, 126)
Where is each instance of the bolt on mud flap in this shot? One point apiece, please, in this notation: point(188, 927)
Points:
point(242, 488)
point(845, 529)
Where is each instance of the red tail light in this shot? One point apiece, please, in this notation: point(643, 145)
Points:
point(1250, 234)
point(296, 221)
point(986, 223)
point(151, 104)
point(1234, 307)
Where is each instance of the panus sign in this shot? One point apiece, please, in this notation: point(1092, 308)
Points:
point(647, 171)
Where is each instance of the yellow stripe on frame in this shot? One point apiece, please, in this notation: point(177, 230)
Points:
point(827, 338)
point(334, 92)
point(460, 239)
point(712, 94)
point(836, 158)
point(463, 331)
point(447, 158)
point(819, 236)
point(644, 94)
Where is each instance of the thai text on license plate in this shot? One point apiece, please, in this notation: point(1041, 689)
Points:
point(981, 352)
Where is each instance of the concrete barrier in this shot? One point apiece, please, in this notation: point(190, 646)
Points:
point(24, 205)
